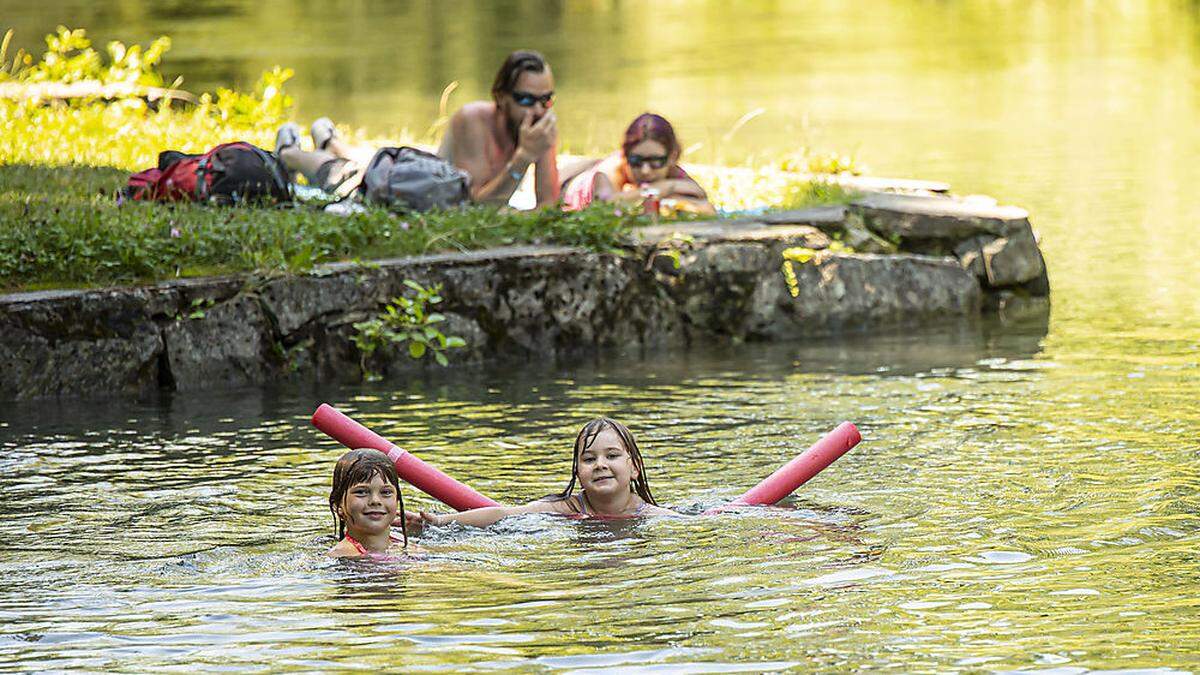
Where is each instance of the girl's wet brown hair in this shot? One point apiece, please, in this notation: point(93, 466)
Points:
point(587, 436)
point(360, 466)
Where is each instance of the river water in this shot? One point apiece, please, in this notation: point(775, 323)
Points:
point(1027, 494)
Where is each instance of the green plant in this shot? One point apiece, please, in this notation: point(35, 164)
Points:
point(127, 132)
point(815, 192)
point(266, 105)
point(70, 58)
point(196, 309)
point(809, 161)
point(798, 255)
point(407, 320)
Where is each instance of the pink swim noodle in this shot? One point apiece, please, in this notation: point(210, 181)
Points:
point(806, 465)
point(416, 472)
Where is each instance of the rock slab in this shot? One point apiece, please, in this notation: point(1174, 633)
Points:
point(676, 283)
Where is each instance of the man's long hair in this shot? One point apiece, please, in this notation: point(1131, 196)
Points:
point(520, 61)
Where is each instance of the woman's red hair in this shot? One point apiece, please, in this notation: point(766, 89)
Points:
point(651, 127)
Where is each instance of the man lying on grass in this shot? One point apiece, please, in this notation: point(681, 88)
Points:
point(494, 141)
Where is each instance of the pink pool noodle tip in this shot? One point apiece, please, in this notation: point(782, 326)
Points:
point(420, 475)
point(804, 466)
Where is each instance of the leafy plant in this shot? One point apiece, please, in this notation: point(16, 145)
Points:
point(800, 255)
point(196, 309)
point(70, 58)
point(267, 104)
point(803, 194)
point(407, 320)
point(809, 161)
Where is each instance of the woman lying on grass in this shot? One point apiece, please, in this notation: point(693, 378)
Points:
point(647, 165)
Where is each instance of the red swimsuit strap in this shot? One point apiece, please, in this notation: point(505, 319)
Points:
point(362, 550)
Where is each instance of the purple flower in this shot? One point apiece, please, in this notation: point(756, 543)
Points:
point(175, 234)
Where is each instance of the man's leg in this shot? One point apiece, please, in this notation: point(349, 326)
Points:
point(307, 163)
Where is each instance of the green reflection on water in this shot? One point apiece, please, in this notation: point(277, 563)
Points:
point(1026, 496)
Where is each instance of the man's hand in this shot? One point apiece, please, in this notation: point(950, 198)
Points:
point(536, 138)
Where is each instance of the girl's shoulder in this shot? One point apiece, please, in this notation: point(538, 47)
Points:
point(550, 505)
point(344, 549)
point(612, 168)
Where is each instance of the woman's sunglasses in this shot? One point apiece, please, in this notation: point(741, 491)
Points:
point(526, 99)
point(655, 161)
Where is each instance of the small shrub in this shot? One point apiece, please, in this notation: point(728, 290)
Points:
point(407, 320)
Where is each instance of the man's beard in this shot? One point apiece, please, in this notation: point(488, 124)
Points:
point(514, 128)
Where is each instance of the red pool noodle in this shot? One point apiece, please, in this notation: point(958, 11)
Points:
point(421, 475)
point(803, 467)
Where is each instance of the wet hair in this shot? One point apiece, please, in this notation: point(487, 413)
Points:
point(587, 436)
point(361, 466)
point(520, 61)
point(651, 127)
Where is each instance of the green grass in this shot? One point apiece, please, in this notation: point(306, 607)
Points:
point(62, 228)
point(62, 163)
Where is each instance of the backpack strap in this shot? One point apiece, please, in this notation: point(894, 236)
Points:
point(277, 170)
point(201, 192)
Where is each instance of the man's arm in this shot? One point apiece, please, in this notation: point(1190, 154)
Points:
point(546, 183)
point(501, 187)
point(466, 147)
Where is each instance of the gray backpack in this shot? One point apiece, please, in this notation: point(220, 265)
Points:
point(413, 179)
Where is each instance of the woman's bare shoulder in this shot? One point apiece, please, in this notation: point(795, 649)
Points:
point(610, 166)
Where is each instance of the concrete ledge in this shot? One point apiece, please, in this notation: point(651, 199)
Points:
point(675, 283)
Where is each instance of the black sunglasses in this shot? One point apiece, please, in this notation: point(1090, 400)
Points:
point(526, 99)
point(655, 161)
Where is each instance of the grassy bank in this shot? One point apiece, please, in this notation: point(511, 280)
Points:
point(62, 228)
point(61, 163)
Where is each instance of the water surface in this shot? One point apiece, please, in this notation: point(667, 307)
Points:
point(1027, 495)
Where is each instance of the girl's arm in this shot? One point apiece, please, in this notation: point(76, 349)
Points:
point(485, 516)
point(688, 191)
point(696, 205)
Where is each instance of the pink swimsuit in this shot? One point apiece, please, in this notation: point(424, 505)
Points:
point(362, 550)
point(583, 511)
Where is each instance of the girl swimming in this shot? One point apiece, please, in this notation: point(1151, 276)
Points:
point(364, 502)
point(647, 164)
point(608, 468)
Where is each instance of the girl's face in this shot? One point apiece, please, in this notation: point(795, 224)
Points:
point(649, 161)
point(369, 508)
point(605, 467)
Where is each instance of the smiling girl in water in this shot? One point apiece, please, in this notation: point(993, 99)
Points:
point(606, 464)
point(364, 502)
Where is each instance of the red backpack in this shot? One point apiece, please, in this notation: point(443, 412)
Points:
point(231, 173)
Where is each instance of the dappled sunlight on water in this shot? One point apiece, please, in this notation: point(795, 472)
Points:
point(1001, 512)
point(1027, 494)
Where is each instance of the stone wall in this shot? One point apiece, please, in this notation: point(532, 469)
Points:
point(916, 260)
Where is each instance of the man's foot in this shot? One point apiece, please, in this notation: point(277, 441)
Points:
point(287, 136)
point(322, 132)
